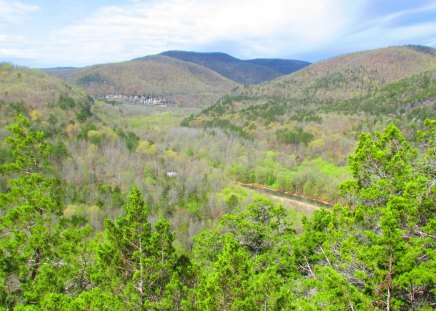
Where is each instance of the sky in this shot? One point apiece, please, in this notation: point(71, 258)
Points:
point(43, 33)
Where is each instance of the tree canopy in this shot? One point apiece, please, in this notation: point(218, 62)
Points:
point(375, 251)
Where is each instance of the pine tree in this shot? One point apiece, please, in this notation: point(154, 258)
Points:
point(39, 248)
point(381, 242)
point(227, 286)
point(136, 262)
point(29, 210)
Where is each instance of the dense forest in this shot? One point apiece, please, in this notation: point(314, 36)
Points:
point(106, 205)
point(375, 251)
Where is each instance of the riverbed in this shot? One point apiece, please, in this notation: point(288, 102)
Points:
point(301, 206)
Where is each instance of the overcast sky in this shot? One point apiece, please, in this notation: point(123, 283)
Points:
point(43, 33)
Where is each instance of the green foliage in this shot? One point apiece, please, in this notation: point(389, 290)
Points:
point(66, 102)
point(81, 107)
point(59, 151)
point(92, 300)
point(130, 138)
point(186, 122)
point(38, 247)
point(19, 108)
point(258, 225)
point(385, 236)
point(84, 109)
point(396, 98)
point(223, 105)
point(296, 136)
point(227, 126)
point(306, 116)
point(269, 111)
point(374, 252)
point(315, 178)
point(91, 78)
point(227, 286)
point(244, 259)
point(148, 258)
point(389, 160)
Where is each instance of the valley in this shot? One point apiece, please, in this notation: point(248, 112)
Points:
point(174, 182)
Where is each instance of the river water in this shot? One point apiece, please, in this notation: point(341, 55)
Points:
point(300, 204)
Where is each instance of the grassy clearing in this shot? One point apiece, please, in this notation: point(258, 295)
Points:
point(140, 117)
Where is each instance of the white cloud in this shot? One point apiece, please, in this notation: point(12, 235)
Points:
point(16, 53)
point(379, 35)
point(307, 29)
point(14, 46)
point(389, 30)
point(391, 18)
point(13, 11)
point(252, 27)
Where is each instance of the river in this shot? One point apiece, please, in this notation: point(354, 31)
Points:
point(300, 204)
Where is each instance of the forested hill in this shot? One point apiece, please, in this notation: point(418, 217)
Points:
point(241, 71)
point(44, 98)
point(392, 81)
point(321, 109)
point(36, 89)
point(350, 75)
point(105, 206)
point(180, 82)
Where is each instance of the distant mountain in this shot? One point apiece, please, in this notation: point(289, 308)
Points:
point(283, 66)
point(350, 75)
point(181, 82)
point(241, 71)
point(58, 68)
point(36, 89)
point(333, 100)
point(41, 97)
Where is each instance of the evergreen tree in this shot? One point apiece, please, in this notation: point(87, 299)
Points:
point(227, 286)
point(391, 216)
point(381, 242)
point(29, 210)
point(136, 262)
point(244, 262)
point(38, 246)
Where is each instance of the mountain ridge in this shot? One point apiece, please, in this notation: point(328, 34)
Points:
point(351, 73)
point(35, 88)
point(183, 83)
point(328, 102)
point(251, 71)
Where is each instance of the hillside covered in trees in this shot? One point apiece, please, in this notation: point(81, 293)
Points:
point(108, 206)
point(185, 78)
point(373, 252)
point(241, 71)
point(183, 83)
point(319, 111)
